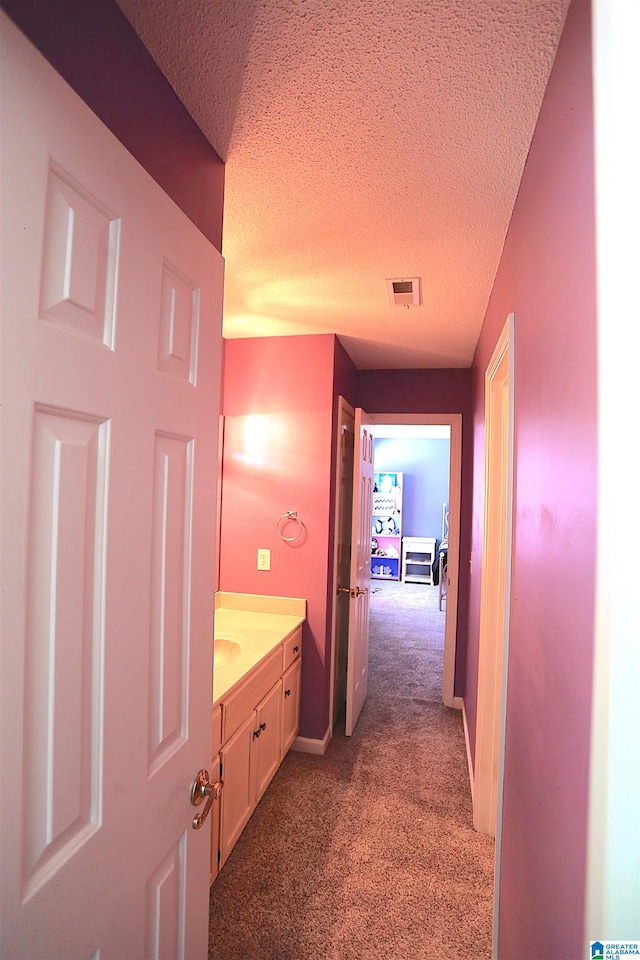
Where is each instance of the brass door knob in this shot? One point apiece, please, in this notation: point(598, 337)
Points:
point(202, 788)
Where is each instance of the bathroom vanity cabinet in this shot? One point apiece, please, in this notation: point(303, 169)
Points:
point(255, 723)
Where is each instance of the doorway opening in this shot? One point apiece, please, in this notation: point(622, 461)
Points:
point(448, 529)
point(409, 549)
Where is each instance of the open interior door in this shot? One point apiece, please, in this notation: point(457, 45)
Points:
point(111, 314)
point(358, 654)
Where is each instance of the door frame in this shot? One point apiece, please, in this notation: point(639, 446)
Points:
point(613, 839)
point(495, 588)
point(454, 422)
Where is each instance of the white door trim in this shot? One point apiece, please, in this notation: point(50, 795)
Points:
point(510, 326)
point(494, 592)
point(613, 845)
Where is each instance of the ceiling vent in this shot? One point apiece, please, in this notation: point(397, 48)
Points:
point(404, 292)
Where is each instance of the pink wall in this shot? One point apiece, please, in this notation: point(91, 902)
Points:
point(93, 46)
point(546, 276)
point(434, 391)
point(278, 407)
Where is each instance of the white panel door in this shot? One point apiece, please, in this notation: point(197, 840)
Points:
point(111, 315)
point(358, 654)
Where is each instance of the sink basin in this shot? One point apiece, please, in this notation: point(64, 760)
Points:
point(225, 651)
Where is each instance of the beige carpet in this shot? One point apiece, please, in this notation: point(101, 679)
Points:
point(368, 852)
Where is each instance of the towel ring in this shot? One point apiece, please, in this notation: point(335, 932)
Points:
point(289, 515)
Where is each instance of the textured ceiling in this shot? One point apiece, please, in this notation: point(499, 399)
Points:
point(364, 139)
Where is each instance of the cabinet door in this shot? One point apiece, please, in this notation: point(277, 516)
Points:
point(266, 740)
point(290, 706)
point(238, 798)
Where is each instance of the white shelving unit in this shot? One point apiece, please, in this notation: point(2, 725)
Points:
point(418, 558)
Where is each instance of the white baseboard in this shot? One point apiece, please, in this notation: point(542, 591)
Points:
point(468, 746)
point(458, 703)
point(308, 745)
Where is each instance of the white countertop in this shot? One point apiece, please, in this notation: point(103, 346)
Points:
point(258, 624)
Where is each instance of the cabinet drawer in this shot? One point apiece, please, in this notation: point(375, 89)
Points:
point(240, 704)
point(292, 648)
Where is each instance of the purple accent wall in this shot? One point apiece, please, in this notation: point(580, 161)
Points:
point(279, 408)
point(546, 276)
point(434, 391)
point(93, 46)
point(415, 391)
